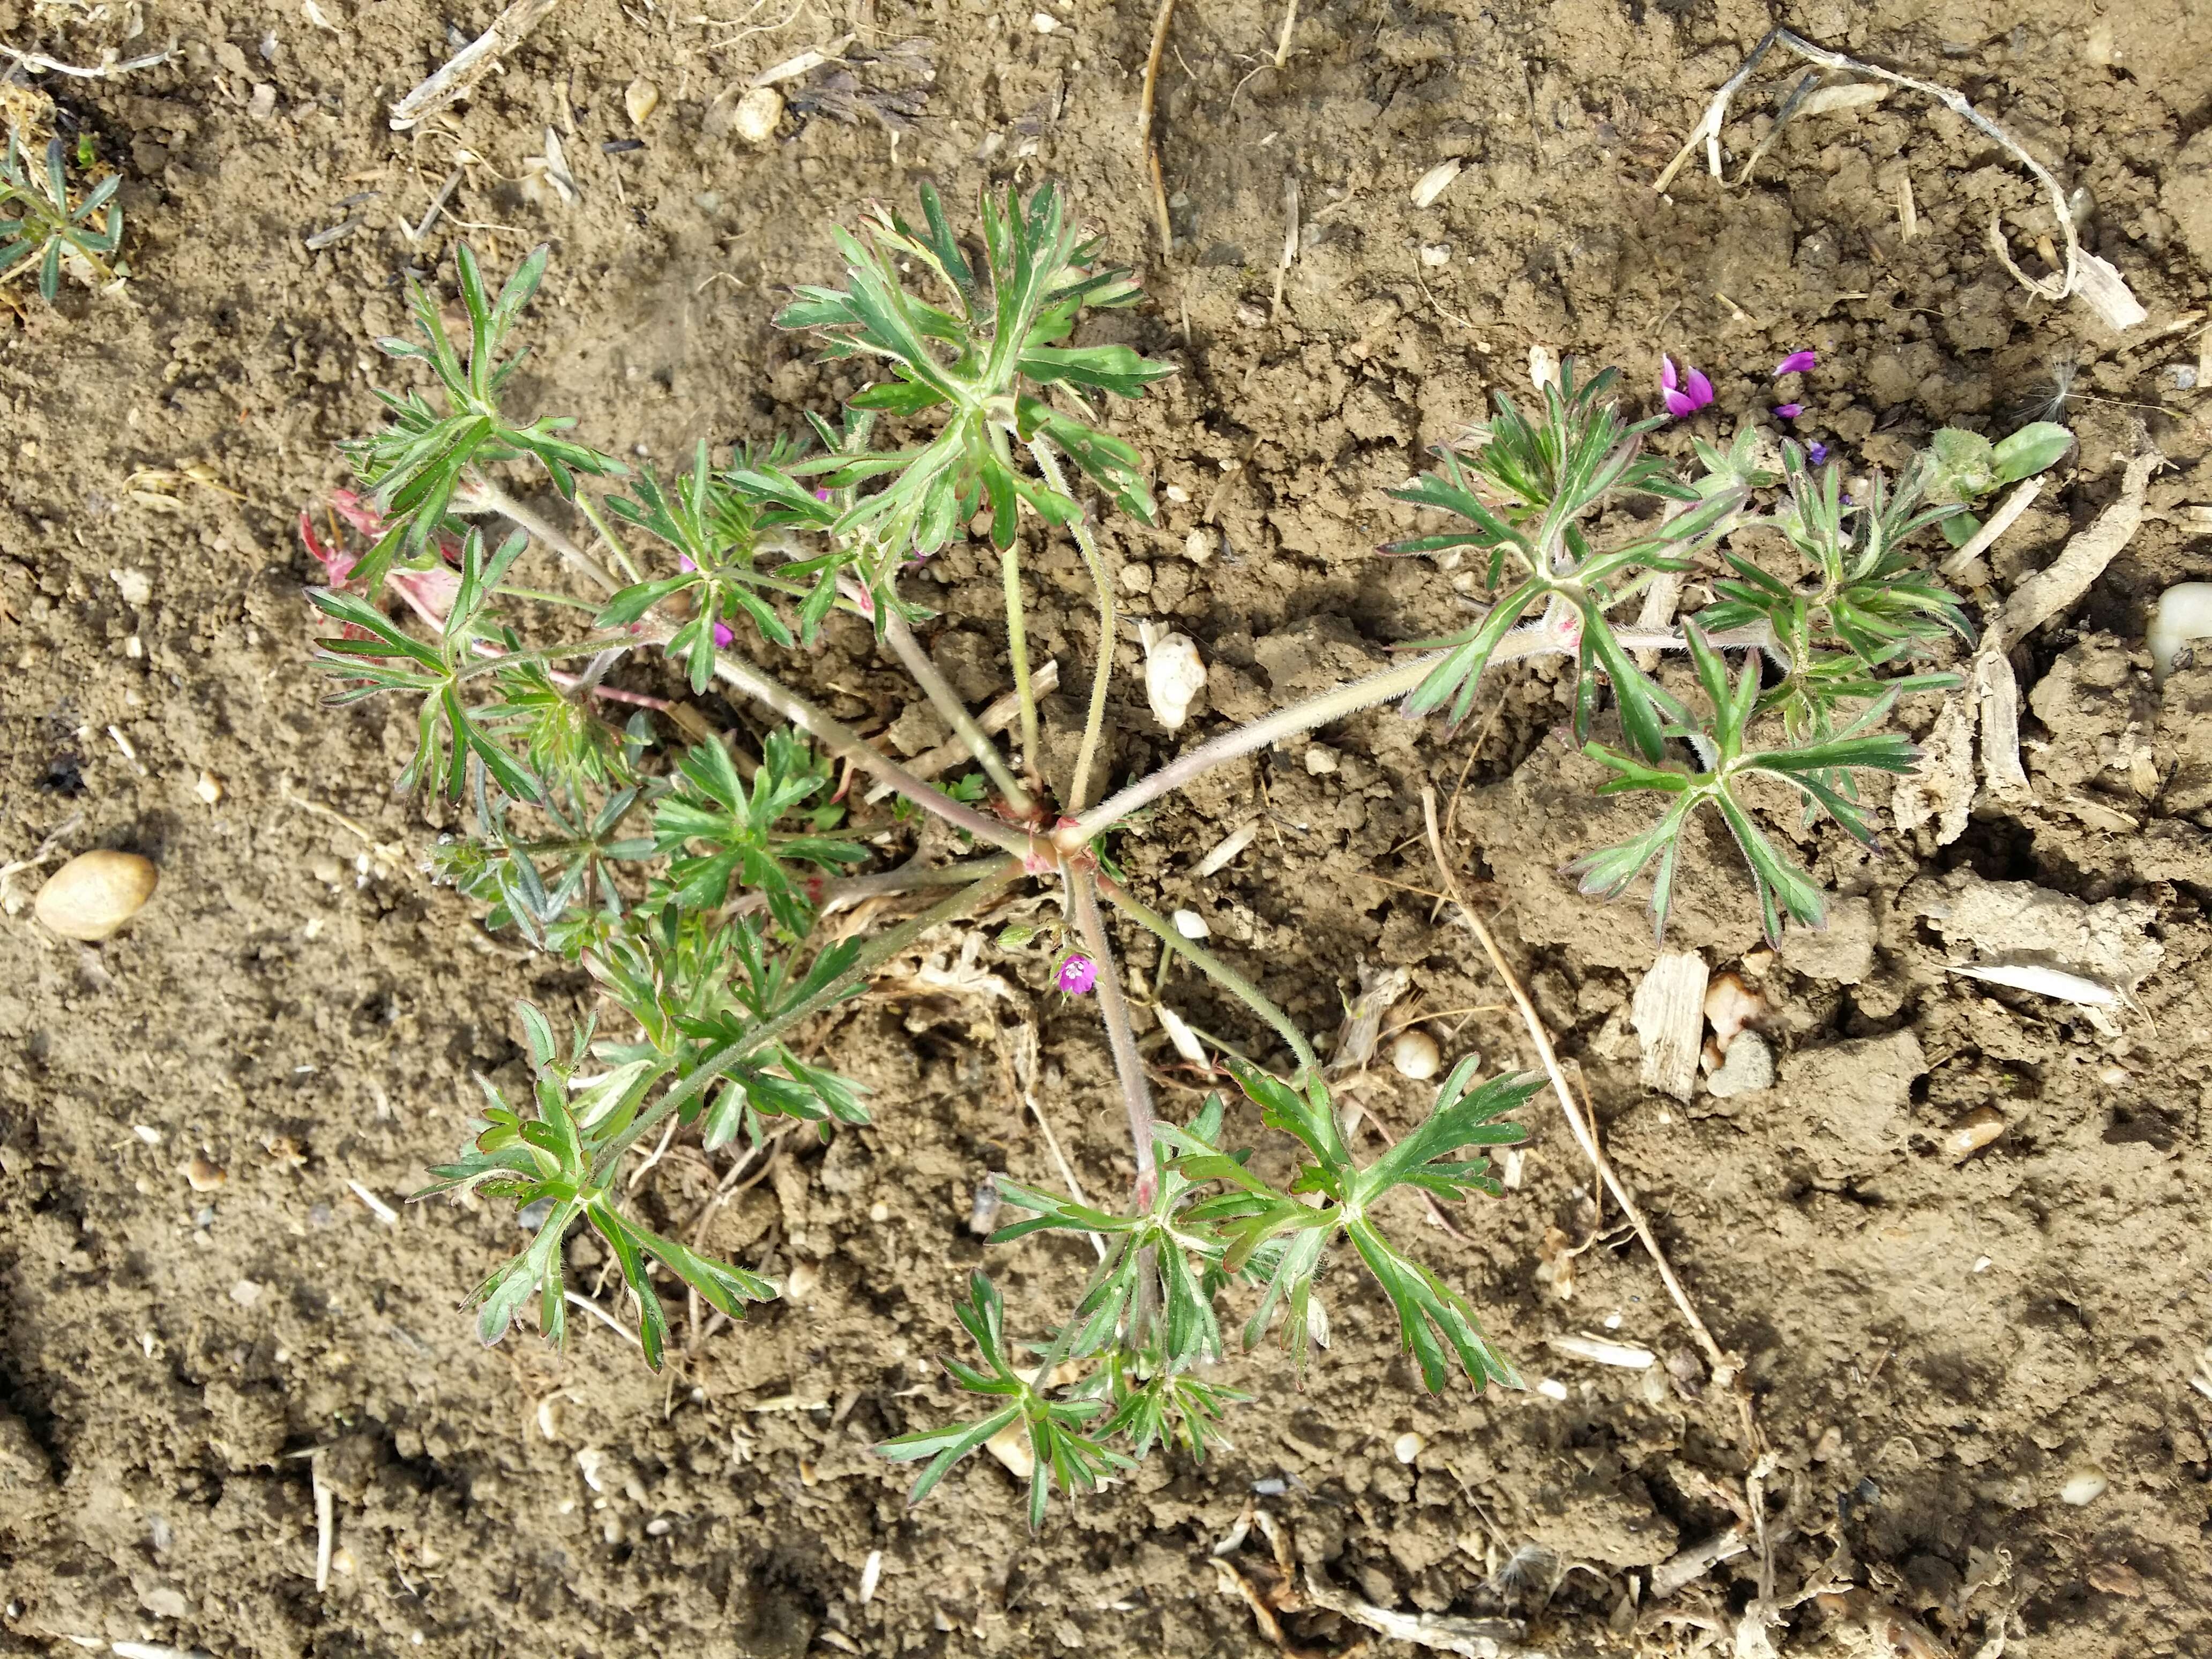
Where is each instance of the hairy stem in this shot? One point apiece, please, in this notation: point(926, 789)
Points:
point(846, 744)
point(1215, 968)
point(484, 493)
point(873, 955)
point(1017, 647)
point(911, 878)
point(1102, 579)
point(607, 535)
point(1128, 1066)
point(946, 702)
point(1386, 685)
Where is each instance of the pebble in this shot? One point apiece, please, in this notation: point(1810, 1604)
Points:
point(209, 788)
point(1320, 761)
point(1747, 1069)
point(2183, 614)
point(1011, 1446)
point(2084, 1486)
point(204, 1177)
point(1974, 1131)
point(1191, 925)
point(640, 98)
point(1414, 1054)
point(1729, 1007)
point(1408, 1446)
point(95, 893)
point(1173, 675)
point(757, 115)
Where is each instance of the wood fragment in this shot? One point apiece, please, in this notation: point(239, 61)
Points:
point(2047, 592)
point(1472, 1638)
point(1668, 1013)
point(1996, 695)
point(2007, 513)
point(469, 65)
point(1144, 103)
point(325, 1524)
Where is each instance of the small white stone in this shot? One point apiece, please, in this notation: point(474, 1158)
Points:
point(879, 1212)
point(640, 98)
point(1198, 547)
point(1173, 675)
point(1011, 1446)
point(1044, 22)
point(1551, 1388)
point(1408, 1446)
point(1191, 925)
point(147, 1132)
point(246, 1293)
point(2084, 1486)
point(1434, 254)
point(263, 104)
point(1414, 1054)
point(2184, 614)
point(135, 585)
point(756, 115)
point(209, 788)
point(1320, 760)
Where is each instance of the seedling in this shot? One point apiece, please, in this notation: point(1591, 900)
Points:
point(42, 228)
point(690, 882)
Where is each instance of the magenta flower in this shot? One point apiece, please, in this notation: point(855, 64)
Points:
point(1789, 411)
point(1684, 394)
point(684, 564)
point(724, 638)
point(1078, 974)
point(1797, 363)
point(1817, 453)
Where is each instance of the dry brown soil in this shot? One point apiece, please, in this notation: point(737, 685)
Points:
point(1933, 1344)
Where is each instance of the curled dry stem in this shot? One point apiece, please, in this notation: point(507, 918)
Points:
point(1114, 1006)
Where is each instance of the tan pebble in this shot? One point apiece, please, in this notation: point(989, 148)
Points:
point(2115, 1579)
point(95, 893)
point(1415, 1054)
point(1011, 1446)
point(2084, 1486)
point(1730, 1008)
point(1974, 1131)
point(209, 788)
point(804, 1278)
point(205, 1177)
point(758, 113)
point(640, 98)
point(808, 1474)
point(341, 1560)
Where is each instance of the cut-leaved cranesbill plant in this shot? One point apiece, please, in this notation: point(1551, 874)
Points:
point(687, 871)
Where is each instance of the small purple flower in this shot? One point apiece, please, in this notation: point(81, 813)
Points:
point(1817, 453)
point(684, 564)
point(1797, 363)
point(1789, 411)
point(1684, 394)
point(723, 637)
point(1078, 974)
point(821, 494)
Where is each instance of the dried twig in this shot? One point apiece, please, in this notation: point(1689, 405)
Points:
point(38, 62)
point(469, 65)
point(2023, 494)
point(2051, 590)
point(1151, 92)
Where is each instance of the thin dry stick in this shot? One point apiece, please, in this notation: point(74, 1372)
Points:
point(1998, 522)
point(1022, 1093)
point(578, 1299)
point(1144, 123)
point(1724, 1369)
